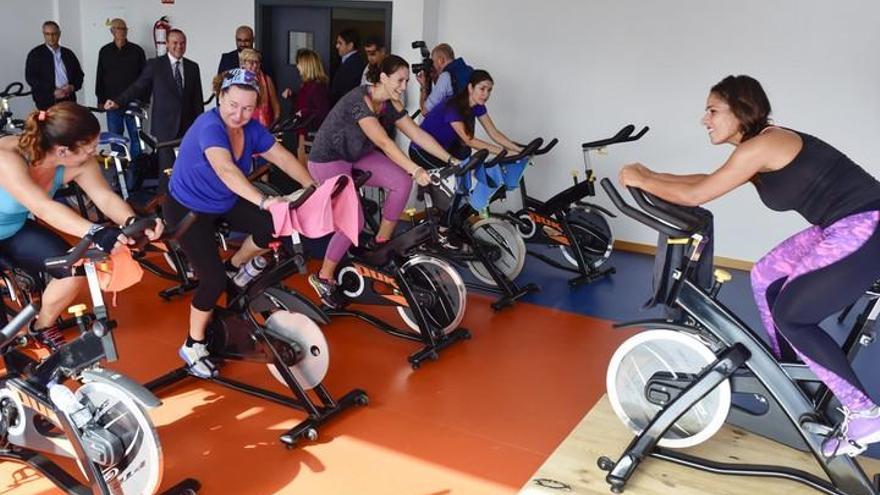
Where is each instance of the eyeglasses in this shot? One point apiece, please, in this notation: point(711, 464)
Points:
point(244, 40)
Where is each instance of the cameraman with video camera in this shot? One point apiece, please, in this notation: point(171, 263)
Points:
point(451, 74)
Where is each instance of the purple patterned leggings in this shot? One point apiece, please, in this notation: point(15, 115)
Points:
point(807, 278)
point(385, 174)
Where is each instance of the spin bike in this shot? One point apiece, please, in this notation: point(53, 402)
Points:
point(103, 423)
point(265, 322)
point(9, 125)
point(492, 250)
point(579, 229)
point(676, 383)
point(427, 292)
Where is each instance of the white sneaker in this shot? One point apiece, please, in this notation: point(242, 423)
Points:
point(858, 430)
point(197, 358)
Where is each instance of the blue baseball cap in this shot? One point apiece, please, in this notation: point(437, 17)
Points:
point(240, 77)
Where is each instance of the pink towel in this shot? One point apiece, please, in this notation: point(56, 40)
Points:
point(320, 214)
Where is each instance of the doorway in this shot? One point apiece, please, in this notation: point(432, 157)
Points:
point(284, 26)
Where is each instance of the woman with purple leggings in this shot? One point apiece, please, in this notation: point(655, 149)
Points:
point(354, 136)
point(812, 274)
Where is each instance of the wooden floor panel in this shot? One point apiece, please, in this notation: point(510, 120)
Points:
point(600, 433)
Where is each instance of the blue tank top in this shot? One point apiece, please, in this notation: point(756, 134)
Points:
point(820, 183)
point(13, 214)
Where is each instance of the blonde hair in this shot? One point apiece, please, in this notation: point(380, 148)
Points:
point(310, 67)
point(249, 54)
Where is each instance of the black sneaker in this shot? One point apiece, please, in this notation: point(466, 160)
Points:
point(327, 291)
point(50, 337)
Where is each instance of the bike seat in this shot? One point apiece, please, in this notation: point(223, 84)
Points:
point(109, 138)
point(563, 199)
point(360, 177)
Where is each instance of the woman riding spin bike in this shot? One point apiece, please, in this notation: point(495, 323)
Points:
point(817, 271)
point(209, 179)
point(452, 124)
point(354, 136)
point(57, 147)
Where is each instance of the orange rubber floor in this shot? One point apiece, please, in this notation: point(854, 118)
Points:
point(480, 420)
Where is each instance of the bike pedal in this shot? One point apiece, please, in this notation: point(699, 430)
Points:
point(816, 428)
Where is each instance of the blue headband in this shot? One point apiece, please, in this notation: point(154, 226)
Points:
point(240, 77)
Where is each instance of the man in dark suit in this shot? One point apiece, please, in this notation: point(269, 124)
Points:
point(351, 68)
point(175, 86)
point(52, 71)
point(244, 38)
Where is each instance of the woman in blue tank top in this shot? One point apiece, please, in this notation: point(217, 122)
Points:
point(57, 147)
point(817, 271)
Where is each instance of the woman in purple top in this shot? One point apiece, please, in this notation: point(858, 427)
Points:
point(313, 99)
point(353, 136)
point(210, 179)
point(452, 124)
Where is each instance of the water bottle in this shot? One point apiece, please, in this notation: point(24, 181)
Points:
point(249, 271)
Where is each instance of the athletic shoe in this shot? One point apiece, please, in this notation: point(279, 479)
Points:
point(197, 359)
point(326, 290)
point(858, 430)
point(50, 337)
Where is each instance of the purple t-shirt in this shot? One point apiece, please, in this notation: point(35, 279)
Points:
point(438, 123)
point(194, 183)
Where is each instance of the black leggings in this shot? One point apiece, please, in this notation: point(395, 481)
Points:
point(28, 248)
point(200, 247)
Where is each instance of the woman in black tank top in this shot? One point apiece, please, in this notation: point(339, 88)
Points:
point(812, 274)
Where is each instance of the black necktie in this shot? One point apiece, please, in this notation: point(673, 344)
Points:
point(178, 78)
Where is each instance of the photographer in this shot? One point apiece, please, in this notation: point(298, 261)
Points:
point(452, 75)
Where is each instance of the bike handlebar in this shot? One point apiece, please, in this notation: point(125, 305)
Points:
point(528, 150)
point(156, 145)
point(624, 135)
point(17, 92)
point(290, 124)
point(17, 324)
point(683, 224)
point(473, 162)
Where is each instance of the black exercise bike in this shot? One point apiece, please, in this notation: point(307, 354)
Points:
point(677, 382)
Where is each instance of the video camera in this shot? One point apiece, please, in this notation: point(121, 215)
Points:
point(426, 65)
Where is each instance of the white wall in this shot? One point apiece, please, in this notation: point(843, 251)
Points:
point(578, 70)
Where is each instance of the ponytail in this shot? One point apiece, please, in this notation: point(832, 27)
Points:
point(390, 65)
point(63, 124)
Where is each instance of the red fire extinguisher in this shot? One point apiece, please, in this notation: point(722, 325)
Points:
point(160, 35)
